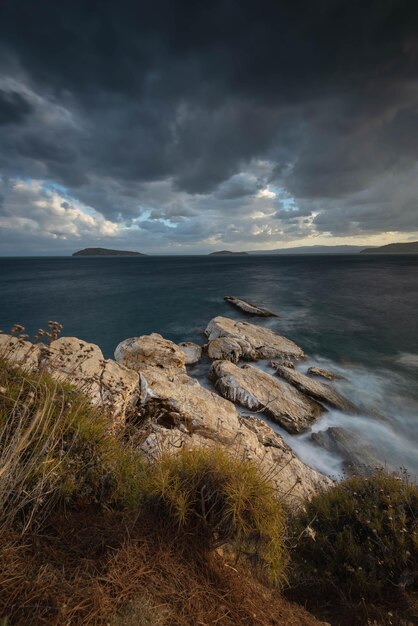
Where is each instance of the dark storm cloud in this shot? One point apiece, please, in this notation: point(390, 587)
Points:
point(167, 108)
point(13, 107)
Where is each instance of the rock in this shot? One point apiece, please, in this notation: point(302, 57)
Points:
point(358, 457)
point(249, 307)
point(260, 391)
point(319, 371)
point(111, 386)
point(150, 350)
point(201, 411)
point(282, 362)
point(313, 388)
point(175, 410)
point(114, 388)
point(250, 341)
point(192, 352)
point(225, 348)
point(23, 353)
point(253, 439)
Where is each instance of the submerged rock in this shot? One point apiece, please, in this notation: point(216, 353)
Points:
point(313, 388)
point(247, 341)
point(358, 457)
point(249, 307)
point(323, 373)
point(192, 352)
point(259, 391)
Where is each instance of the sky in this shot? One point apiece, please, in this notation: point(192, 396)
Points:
point(176, 127)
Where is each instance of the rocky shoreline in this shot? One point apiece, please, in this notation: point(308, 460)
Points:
point(148, 385)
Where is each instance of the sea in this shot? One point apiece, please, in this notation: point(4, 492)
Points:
point(354, 314)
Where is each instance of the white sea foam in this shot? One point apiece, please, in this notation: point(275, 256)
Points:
point(407, 359)
point(388, 418)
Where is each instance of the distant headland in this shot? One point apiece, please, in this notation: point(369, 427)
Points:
point(394, 248)
point(106, 252)
point(228, 253)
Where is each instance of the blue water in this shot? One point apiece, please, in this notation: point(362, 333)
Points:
point(354, 312)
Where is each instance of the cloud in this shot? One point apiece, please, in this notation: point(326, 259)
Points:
point(233, 123)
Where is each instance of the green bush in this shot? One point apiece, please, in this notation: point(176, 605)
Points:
point(359, 538)
point(217, 500)
point(56, 449)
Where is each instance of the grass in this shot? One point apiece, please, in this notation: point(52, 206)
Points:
point(92, 533)
point(221, 500)
point(117, 568)
point(55, 450)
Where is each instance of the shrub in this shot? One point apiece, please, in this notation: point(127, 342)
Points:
point(360, 538)
point(216, 500)
point(55, 448)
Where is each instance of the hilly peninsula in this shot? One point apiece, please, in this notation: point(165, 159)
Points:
point(394, 248)
point(106, 252)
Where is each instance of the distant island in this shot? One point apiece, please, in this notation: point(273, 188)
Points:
point(106, 252)
point(394, 248)
point(228, 253)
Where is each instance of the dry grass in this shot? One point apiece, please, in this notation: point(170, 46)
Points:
point(217, 499)
point(90, 569)
point(55, 450)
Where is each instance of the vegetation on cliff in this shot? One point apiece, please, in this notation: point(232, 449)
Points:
point(91, 532)
point(360, 539)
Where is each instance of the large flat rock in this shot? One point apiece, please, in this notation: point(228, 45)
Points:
point(259, 391)
point(314, 388)
point(237, 340)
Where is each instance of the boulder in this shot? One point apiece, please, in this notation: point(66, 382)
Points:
point(113, 387)
point(191, 351)
point(110, 385)
point(249, 307)
point(225, 348)
point(150, 350)
point(262, 392)
point(314, 389)
point(198, 409)
point(23, 353)
point(358, 457)
point(323, 373)
point(250, 342)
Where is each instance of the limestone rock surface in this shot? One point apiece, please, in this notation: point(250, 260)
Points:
point(314, 388)
point(259, 391)
point(150, 350)
point(251, 341)
point(112, 386)
point(192, 352)
point(324, 373)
